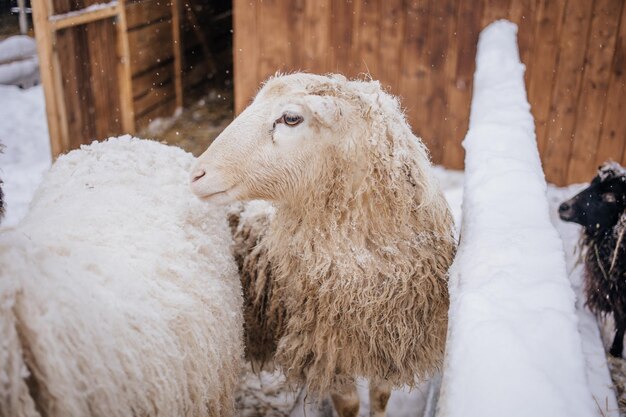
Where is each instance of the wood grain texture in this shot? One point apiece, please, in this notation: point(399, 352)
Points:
point(612, 143)
point(392, 24)
point(150, 46)
point(468, 23)
point(246, 39)
point(145, 12)
point(544, 58)
point(567, 80)
point(595, 83)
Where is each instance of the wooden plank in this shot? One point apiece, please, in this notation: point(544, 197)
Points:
point(177, 50)
point(414, 71)
point(391, 37)
point(600, 50)
point(103, 80)
point(317, 32)
point(468, 23)
point(246, 38)
point(494, 10)
point(156, 96)
point(124, 73)
point(612, 144)
point(368, 38)
point(153, 78)
point(50, 78)
point(343, 20)
point(522, 13)
point(450, 126)
point(567, 81)
point(146, 12)
point(64, 6)
point(146, 46)
point(544, 56)
point(166, 109)
point(440, 28)
point(84, 16)
point(70, 44)
point(297, 22)
point(274, 50)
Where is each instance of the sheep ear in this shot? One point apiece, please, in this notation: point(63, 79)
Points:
point(326, 109)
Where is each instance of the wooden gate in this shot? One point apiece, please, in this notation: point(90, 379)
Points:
point(112, 68)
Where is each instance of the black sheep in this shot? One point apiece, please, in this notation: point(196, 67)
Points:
point(601, 210)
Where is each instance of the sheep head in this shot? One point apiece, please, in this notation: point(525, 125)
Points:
point(278, 147)
point(599, 206)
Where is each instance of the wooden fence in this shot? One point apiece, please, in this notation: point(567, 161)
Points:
point(423, 51)
point(112, 68)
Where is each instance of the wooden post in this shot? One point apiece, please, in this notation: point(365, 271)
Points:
point(178, 55)
point(124, 74)
point(50, 77)
point(21, 5)
point(46, 25)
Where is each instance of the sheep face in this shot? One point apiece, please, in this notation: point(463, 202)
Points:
point(277, 148)
point(599, 206)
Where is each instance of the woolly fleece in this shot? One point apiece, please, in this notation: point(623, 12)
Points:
point(118, 294)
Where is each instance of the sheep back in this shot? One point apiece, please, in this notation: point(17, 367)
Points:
point(119, 296)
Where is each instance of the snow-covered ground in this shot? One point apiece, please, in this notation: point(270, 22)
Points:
point(19, 64)
point(508, 351)
point(26, 155)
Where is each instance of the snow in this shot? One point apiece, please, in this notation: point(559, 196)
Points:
point(19, 64)
point(26, 156)
point(16, 48)
point(513, 346)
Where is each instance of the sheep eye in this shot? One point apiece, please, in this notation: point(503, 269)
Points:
point(292, 119)
point(609, 198)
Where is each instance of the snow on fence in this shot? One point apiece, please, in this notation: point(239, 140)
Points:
point(513, 344)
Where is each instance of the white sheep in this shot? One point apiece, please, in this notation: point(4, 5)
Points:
point(349, 275)
point(118, 294)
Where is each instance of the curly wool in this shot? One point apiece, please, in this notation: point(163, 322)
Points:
point(118, 294)
point(605, 265)
point(360, 267)
point(264, 315)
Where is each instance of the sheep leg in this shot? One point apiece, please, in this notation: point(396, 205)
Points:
point(618, 341)
point(346, 401)
point(379, 395)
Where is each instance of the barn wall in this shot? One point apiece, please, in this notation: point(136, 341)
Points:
point(89, 77)
point(423, 51)
point(164, 58)
point(204, 44)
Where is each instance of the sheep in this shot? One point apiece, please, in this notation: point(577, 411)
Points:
point(601, 210)
point(351, 268)
point(118, 292)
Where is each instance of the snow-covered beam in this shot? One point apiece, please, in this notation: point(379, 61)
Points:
point(513, 344)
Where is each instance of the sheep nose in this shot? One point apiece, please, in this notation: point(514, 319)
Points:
point(197, 174)
point(564, 207)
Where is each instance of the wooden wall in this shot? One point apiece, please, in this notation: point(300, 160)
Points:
point(88, 76)
point(424, 50)
point(113, 68)
point(153, 48)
